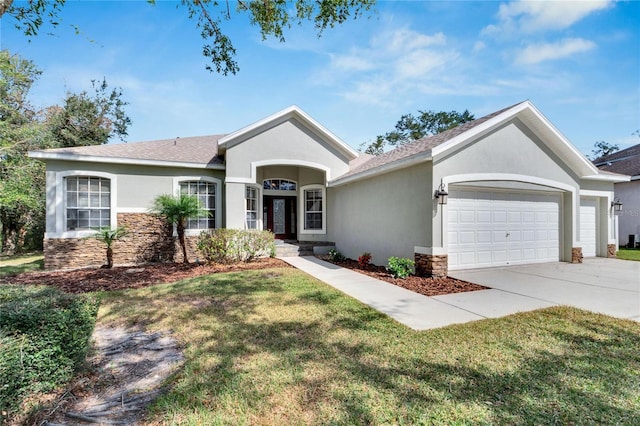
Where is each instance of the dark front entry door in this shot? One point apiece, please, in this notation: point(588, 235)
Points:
point(281, 216)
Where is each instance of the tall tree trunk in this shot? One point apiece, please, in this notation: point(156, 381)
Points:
point(182, 242)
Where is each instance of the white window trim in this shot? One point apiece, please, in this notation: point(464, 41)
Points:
point(302, 210)
point(61, 203)
point(218, 213)
point(259, 223)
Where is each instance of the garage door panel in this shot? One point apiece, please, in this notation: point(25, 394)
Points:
point(502, 227)
point(588, 226)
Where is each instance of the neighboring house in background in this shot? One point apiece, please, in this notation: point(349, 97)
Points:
point(518, 192)
point(626, 162)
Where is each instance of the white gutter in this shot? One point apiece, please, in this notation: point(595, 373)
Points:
point(40, 155)
point(608, 178)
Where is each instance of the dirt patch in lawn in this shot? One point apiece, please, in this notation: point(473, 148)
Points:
point(422, 285)
point(122, 278)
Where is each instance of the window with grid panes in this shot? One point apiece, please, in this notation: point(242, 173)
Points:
point(313, 209)
point(88, 202)
point(251, 197)
point(206, 194)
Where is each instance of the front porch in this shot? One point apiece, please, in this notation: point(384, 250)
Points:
point(292, 248)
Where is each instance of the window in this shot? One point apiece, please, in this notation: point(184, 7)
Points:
point(313, 209)
point(279, 185)
point(206, 194)
point(88, 202)
point(251, 209)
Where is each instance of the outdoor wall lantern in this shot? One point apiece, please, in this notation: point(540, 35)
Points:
point(441, 194)
point(616, 205)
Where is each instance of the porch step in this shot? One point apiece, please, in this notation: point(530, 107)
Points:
point(291, 249)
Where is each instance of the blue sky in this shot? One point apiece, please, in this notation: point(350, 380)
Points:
point(578, 62)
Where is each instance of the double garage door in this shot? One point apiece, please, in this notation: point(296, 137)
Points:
point(497, 228)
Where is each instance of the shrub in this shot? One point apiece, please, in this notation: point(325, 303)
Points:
point(234, 245)
point(400, 267)
point(364, 259)
point(335, 255)
point(44, 338)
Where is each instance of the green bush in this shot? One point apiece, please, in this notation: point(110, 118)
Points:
point(235, 245)
point(44, 338)
point(400, 267)
point(336, 256)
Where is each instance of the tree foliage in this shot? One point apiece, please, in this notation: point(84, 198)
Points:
point(272, 17)
point(81, 120)
point(176, 209)
point(602, 148)
point(411, 128)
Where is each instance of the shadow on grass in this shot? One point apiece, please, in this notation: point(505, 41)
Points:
point(271, 347)
point(13, 270)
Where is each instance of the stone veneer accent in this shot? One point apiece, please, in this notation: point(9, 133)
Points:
point(611, 250)
point(149, 239)
point(576, 255)
point(431, 265)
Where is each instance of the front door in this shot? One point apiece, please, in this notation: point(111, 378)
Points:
point(281, 216)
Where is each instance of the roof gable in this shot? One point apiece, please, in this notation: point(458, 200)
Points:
point(439, 145)
point(292, 112)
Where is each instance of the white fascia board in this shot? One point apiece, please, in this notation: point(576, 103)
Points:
point(292, 111)
point(608, 178)
point(386, 168)
point(477, 130)
point(42, 155)
point(635, 177)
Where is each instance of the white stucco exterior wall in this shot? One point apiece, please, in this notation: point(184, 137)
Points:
point(629, 217)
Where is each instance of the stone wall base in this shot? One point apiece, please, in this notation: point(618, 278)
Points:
point(611, 250)
point(429, 265)
point(149, 239)
point(576, 255)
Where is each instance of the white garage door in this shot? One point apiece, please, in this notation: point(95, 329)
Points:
point(588, 226)
point(496, 228)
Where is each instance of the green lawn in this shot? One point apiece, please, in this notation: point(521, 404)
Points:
point(278, 347)
point(628, 254)
point(18, 264)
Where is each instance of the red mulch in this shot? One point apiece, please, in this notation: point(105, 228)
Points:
point(422, 285)
point(121, 278)
point(125, 277)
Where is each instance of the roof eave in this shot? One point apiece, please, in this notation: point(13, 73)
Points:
point(385, 168)
point(292, 111)
point(57, 156)
point(609, 178)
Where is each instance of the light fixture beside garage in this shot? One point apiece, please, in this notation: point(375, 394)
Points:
point(441, 194)
point(616, 205)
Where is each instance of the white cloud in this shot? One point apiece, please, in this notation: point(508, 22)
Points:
point(537, 53)
point(534, 16)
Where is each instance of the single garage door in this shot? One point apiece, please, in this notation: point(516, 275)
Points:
point(588, 226)
point(489, 227)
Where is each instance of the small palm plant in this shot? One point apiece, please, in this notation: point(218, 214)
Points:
point(176, 209)
point(108, 236)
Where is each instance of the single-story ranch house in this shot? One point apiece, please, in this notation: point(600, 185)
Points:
point(505, 189)
point(626, 161)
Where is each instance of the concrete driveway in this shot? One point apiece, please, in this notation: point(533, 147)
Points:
point(607, 286)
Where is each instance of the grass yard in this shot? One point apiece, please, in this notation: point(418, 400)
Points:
point(278, 347)
point(15, 265)
point(628, 254)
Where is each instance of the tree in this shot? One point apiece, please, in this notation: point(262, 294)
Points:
point(176, 209)
point(602, 148)
point(24, 128)
point(89, 120)
point(410, 128)
point(272, 17)
point(108, 237)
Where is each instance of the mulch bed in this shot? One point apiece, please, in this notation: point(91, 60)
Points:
point(422, 285)
point(122, 278)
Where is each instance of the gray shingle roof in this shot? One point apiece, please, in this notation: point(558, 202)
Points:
point(419, 146)
point(198, 149)
point(626, 162)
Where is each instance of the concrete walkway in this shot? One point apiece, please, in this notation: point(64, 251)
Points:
point(509, 293)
